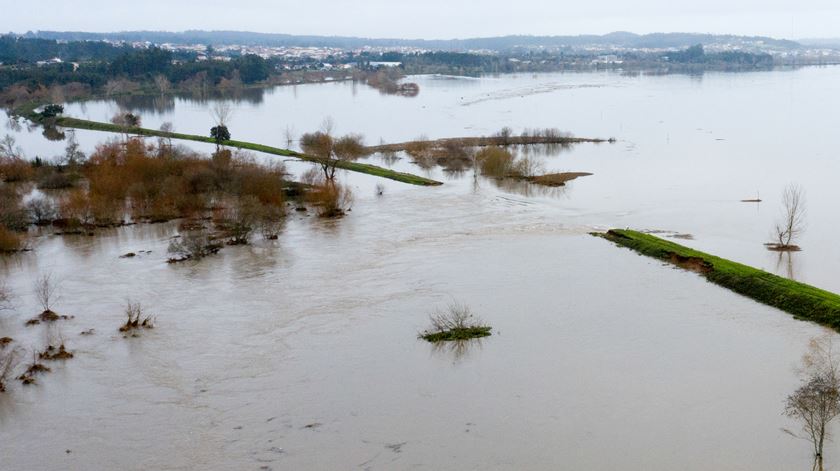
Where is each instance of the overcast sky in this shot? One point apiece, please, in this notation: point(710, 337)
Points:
point(431, 19)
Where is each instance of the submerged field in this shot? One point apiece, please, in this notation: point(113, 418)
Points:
point(302, 352)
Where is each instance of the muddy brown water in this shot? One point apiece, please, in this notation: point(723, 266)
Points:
point(301, 353)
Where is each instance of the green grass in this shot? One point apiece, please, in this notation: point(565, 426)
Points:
point(803, 301)
point(457, 334)
point(351, 166)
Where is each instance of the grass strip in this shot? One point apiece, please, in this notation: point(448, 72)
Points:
point(352, 166)
point(803, 301)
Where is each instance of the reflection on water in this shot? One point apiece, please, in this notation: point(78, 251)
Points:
point(162, 104)
point(785, 264)
point(456, 350)
point(530, 190)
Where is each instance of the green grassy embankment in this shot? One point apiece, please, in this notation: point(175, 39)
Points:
point(803, 301)
point(76, 123)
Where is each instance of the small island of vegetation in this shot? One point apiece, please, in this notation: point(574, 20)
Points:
point(457, 323)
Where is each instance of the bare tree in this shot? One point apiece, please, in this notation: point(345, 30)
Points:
point(166, 141)
point(72, 152)
point(330, 151)
point(221, 113)
point(46, 291)
point(328, 125)
point(793, 218)
point(163, 85)
point(9, 148)
point(42, 210)
point(817, 401)
point(126, 120)
point(289, 133)
point(192, 245)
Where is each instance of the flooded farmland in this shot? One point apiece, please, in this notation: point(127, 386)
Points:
point(302, 352)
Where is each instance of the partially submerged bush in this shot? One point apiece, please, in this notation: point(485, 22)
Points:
point(42, 210)
point(192, 245)
point(53, 353)
point(239, 220)
point(495, 161)
point(271, 221)
point(15, 169)
point(10, 241)
point(13, 165)
point(456, 323)
point(136, 318)
point(56, 180)
point(46, 292)
point(332, 199)
point(28, 376)
point(13, 215)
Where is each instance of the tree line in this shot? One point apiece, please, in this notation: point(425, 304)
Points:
point(100, 63)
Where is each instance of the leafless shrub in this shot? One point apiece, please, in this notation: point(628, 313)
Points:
point(456, 316)
point(271, 221)
point(456, 323)
point(192, 245)
point(793, 218)
point(504, 136)
point(136, 318)
point(289, 134)
point(73, 154)
point(53, 352)
point(528, 166)
point(313, 176)
point(240, 219)
point(221, 113)
point(9, 148)
point(162, 83)
point(35, 367)
point(165, 143)
point(42, 210)
point(46, 292)
point(817, 401)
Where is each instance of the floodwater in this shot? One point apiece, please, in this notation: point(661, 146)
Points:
point(301, 353)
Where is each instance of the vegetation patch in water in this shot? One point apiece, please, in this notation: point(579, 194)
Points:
point(456, 323)
point(76, 123)
point(803, 301)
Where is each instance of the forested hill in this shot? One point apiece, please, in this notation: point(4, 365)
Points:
point(501, 43)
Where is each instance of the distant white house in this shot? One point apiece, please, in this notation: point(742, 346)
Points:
point(385, 64)
point(54, 60)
